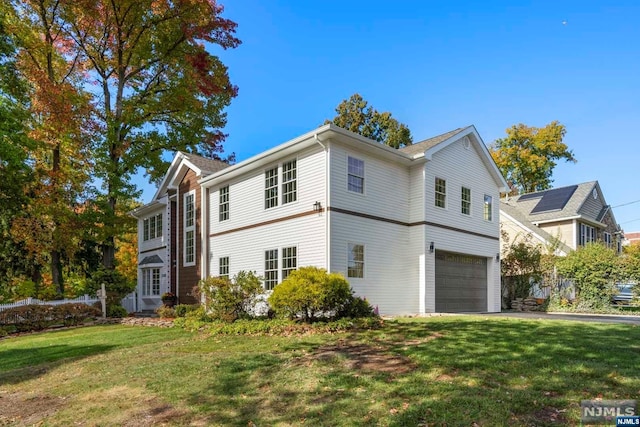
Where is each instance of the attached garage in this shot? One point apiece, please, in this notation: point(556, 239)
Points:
point(461, 283)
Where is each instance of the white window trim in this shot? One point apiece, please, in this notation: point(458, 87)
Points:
point(186, 229)
point(470, 201)
point(436, 192)
point(221, 204)
point(364, 175)
point(484, 211)
point(277, 269)
point(228, 265)
point(143, 272)
point(364, 261)
point(277, 187)
point(281, 264)
point(283, 182)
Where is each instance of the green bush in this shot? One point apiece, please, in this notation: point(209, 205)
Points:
point(231, 299)
point(182, 309)
point(116, 311)
point(116, 285)
point(356, 307)
point(310, 293)
point(73, 314)
point(166, 312)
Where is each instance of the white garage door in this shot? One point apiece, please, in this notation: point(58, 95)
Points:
point(461, 283)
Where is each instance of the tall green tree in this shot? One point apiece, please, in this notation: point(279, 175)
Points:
point(356, 115)
point(527, 155)
point(157, 87)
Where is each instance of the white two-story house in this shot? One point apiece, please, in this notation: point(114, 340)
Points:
point(414, 230)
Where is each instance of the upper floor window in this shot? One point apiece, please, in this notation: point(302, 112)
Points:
point(355, 261)
point(271, 188)
point(289, 182)
point(223, 210)
point(488, 208)
point(189, 228)
point(441, 192)
point(586, 234)
point(355, 177)
point(465, 198)
point(152, 227)
point(223, 267)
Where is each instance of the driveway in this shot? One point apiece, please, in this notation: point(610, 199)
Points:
point(602, 318)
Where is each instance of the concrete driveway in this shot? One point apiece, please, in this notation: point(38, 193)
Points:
point(602, 318)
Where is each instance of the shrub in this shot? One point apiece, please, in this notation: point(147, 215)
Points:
point(182, 309)
point(230, 299)
point(116, 310)
point(26, 318)
point(311, 292)
point(72, 314)
point(356, 307)
point(116, 285)
point(166, 312)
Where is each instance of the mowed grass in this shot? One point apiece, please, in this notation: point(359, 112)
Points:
point(454, 370)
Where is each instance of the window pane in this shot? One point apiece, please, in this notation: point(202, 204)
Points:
point(189, 247)
point(271, 188)
point(270, 269)
point(355, 175)
point(289, 261)
point(289, 182)
point(145, 233)
point(441, 192)
point(355, 264)
point(466, 201)
point(189, 210)
point(224, 204)
point(224, 267)
point(159, 225)
point(488, 208)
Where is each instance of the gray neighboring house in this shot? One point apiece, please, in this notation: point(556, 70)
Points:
point(574, 215)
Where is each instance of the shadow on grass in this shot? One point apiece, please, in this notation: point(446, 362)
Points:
point(466, 370)
point(23, 364)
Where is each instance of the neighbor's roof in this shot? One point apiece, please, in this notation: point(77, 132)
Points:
point(554, 204)
point(522, 219)
point(422, 146)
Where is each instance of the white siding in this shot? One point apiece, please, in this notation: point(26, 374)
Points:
point(389, 266)
point(386, 185)
point(246, 193)
point(461, 166)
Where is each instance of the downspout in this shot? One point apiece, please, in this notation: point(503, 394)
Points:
point(204, 226)
point(327, 193)
point(178, 202)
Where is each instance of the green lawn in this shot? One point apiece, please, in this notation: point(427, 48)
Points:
point(455, 370)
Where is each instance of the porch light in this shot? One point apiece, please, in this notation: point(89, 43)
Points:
point(431, 247)
point(317, 207)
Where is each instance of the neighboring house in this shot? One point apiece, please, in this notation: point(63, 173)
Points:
point(632, 238)
point(414, 230)
point(562, 218)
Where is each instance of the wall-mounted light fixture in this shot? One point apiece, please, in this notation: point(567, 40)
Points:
point(317, 207)
point(498, 257)
point(431, 247)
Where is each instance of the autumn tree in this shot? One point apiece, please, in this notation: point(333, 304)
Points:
point(59, 115)
point(157, 86)
point(356, 115)
point(527, 155)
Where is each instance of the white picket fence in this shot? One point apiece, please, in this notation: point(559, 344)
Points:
point(128, 302)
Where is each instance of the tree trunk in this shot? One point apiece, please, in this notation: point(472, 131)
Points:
point(109, 245)
point(56, 271)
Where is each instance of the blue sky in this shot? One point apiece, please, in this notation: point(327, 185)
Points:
point(440, 65)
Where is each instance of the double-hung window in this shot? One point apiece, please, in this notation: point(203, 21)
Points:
point(289, 182)
point(270, 269)
point(587, 234)
point(441, 193)
point(150, 282)
point(152, 227)
point(606, 237)
point(466, 201)
point(355, 260)
point(190, 228)
point(355, 175)
point(289, 261)
point(271, 188)
point(223, 267)
point(223, 209)
point(488, 208)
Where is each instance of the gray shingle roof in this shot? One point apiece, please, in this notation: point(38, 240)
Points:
point(422, 146)
point(570, 209)
point(153, 259)
point(207, 166)
point(518, 216)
